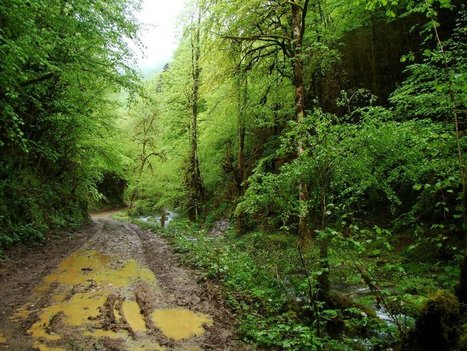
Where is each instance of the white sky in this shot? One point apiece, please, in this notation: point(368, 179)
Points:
point(159, 34)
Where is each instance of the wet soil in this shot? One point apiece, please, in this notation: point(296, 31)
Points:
point(111, 286)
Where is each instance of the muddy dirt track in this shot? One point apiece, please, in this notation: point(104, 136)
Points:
point(111, 286)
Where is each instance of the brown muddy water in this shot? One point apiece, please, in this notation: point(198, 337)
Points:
point(84, 309)
point(122, 290)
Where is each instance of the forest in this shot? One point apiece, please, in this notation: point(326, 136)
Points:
point(307, 156)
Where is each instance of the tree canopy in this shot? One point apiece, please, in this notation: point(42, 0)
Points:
point(337, 127)
point(63, 65)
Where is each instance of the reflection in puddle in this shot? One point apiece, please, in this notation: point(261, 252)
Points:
point(180, 324)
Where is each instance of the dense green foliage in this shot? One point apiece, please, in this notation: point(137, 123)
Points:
point(337, 171)
point(401, 158)
point(267, 284)
point(62, 64)
point(378, 181)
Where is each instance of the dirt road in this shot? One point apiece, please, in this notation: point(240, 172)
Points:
point(111, 286)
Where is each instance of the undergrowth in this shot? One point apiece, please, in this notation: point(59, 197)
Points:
point(271, 289)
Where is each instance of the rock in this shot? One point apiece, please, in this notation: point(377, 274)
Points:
point(220, 227)
point(438, 326)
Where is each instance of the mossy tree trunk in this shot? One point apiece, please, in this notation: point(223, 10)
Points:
point(298, 31)
point(242, 97)
point(193, 175)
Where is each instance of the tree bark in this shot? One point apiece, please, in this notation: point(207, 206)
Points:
point(163, 218)
point(373, 60)
point(242, 85)
point(193, 176)
point(145, 155)
point(298, 30)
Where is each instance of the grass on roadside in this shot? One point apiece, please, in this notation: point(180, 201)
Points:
point(268, 286)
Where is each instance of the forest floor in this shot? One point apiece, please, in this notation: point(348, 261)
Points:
point(110, 286)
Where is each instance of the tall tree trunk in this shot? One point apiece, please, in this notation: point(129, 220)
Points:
point(373, 60)
point(298, 30)
point(242, 91)
point(193, 176)
point(163, 218)
point(143, 156)
point(323, 280)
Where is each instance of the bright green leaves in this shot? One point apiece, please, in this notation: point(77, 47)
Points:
point(395, 8)
point(426, 91)
point(379, 159)
point(62, 61)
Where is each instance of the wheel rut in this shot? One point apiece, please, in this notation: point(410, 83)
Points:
point(118, 288)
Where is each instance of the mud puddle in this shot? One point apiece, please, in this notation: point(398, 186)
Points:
point(112, 295)
point(92, 295)
point(180, 324)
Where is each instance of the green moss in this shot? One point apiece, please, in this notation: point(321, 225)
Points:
point(438, 325)
point(463, 339)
